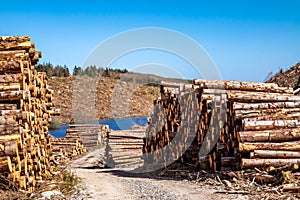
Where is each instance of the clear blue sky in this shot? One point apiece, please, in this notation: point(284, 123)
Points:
point(245, 39)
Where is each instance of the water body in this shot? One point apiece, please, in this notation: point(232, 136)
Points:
point(114, 124)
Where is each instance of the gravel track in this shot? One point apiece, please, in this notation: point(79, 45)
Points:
point(112, 184)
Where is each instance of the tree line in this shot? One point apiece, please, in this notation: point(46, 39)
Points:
point(92, 71)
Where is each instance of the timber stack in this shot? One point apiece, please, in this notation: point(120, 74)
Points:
point(225, 124)
point(124, 148)
point(67, 148)
point(26, 108)
point(92, 135)
point(169, 136)
point(79, 139)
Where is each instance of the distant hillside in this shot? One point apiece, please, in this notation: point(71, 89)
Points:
point(112, 96)
point(288, 78)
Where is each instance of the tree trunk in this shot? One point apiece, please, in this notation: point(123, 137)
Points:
point(267, 105)
point(244, 86)
point(14, 43)
point(280, 135)
point(260, 97)
point(276, 154)
point(269, 124)
point(251, 146)
point(251, 163)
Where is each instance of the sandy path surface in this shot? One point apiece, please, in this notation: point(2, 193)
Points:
point(103, 184)
point(111, 184)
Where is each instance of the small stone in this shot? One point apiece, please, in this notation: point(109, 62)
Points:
point(227, 183)
point(50, 194)
point(232, 174)
point(234, 180)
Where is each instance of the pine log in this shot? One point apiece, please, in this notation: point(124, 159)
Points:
point(289, 113)
point(5, 164)
point(294, 188)
point(10, 86)
point(257, 97)
point(12, 78)
point(276, 154)
point(15, 42)
point(270, 105)
point(12, 66)
point(9, 148)
point(8, 106)
point(274, 116)
point(251, 163)
point(5, 120)
point(251, 146)
point(11, 112)
point(280, 135)
point(14, 54)
point(10, 129)
point(244, 86)
point(269, 124)
point(13, 95)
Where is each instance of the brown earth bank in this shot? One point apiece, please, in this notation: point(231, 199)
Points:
point(288, 78)
point(85, 99)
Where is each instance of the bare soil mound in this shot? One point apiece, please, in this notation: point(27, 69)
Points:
point(288, 78)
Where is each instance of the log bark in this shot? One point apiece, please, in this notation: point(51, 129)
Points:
point(13, 95)
point(268, 113)
point(276, 154)
point(10, 87)
point(251, 146)
point(12, 78)
point(5, 164)
point(291, 188)
point(6, 120)
point(280, 135)
point(8, 106)
point(243, 86)
point(9, 148)
point(6, 130)
point(251, 163)
point(269, 124)
point(14, 54)
point(259, 97)
point(267, 105)
point(14, 43)
point(12, 67)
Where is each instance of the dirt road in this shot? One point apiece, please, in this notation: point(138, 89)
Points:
point(112, 184)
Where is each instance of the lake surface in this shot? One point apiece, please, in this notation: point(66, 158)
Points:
point(114, 124)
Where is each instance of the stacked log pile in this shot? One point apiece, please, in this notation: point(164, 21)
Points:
point(124, 148)
point(169, 135)
point(92, 135)
point(234, 124)
point(67, 148)
point(79, 138)
point(25, 113)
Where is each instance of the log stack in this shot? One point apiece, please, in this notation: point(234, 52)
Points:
point(92, 135)
point(79, 139)
point(67, 148)
point(169, 136)
point(230, 124)
point(124, 148)
point(25, 113)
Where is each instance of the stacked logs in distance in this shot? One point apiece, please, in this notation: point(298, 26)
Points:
point(25, 113)
point(64, 149)
point(92, 135)
point(78, 139)
point(224, 125)
point(124, 148)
